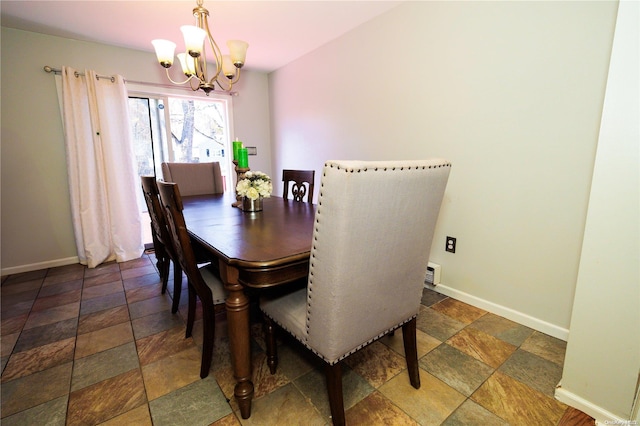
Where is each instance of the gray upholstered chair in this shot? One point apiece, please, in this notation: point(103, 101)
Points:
point(301, 184)
point(203, 281)
point(374, 227)
point(194, 178)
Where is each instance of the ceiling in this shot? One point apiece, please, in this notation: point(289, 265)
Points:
point(278, 32)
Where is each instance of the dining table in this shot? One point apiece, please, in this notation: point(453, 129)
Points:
point(254, 250)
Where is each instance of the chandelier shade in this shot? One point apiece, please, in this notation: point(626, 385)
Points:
point(193, 39)
point(238, 52)
point(202, 72)
point(187, 65)
point(165, 50)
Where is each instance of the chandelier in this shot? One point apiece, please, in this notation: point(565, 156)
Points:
point(194, 60)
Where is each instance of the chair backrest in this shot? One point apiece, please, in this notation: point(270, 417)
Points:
point(194, 178)
point(301, 184)
point(158, 220)
point(171, 203)
point(374, 228)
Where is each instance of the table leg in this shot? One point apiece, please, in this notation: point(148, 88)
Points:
point(237, 305)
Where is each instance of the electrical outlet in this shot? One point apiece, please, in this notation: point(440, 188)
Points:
point(451, 245)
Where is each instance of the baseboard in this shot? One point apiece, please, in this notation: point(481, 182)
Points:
point(602, 416)
point(41, 265)
point(513, 315)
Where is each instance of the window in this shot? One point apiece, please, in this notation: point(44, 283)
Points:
point(177, 128)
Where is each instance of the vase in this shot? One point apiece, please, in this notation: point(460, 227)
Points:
point(249, 205)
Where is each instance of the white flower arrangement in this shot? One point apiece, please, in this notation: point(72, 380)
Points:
point(254, 185)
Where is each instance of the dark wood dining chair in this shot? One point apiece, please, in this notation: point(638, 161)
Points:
point(203, 281)
point(162, 245)
point(301, 182)
point(373, 231)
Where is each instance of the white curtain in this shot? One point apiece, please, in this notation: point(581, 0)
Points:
point(103, 180)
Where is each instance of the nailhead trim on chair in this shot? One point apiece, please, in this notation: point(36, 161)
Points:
point(358, 170)
point(332, 362)
point(311, 265)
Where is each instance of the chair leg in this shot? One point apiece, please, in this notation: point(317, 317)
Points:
point(162, 262)
point(411, 352)
point(334, 388)
point(270, 340)
point(163, 269)
point(191, 310)
point(177, 287)
point(208, 336)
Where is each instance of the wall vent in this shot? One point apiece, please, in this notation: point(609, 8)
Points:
point(433, 274)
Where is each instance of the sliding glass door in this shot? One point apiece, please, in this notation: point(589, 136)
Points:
point(179, 129)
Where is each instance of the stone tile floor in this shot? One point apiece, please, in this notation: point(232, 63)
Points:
point(100, 346)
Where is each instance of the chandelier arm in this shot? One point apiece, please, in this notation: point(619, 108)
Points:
point(216, 52)
point(229, 82)
point(195, 89)
point(200, 67)
point(200, 63)
point(218, 59)
point(235, 79)
point(224, 89)
point(189, 78)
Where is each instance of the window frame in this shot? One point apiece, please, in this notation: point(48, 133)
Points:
point(165, 92)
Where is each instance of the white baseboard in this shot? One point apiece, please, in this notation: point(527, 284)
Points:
point(602, 416)
point(40, 265)
point(513, 315)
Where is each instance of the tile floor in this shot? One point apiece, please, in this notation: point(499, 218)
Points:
point(100, 346)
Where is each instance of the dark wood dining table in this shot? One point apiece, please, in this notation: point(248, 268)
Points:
point(255, 250)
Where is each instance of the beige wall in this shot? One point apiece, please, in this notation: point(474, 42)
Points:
point(36, 220)
point(510, 92)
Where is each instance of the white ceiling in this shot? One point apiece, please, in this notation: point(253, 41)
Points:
point(278, 32)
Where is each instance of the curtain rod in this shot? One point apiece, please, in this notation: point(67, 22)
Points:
point(49, 69)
